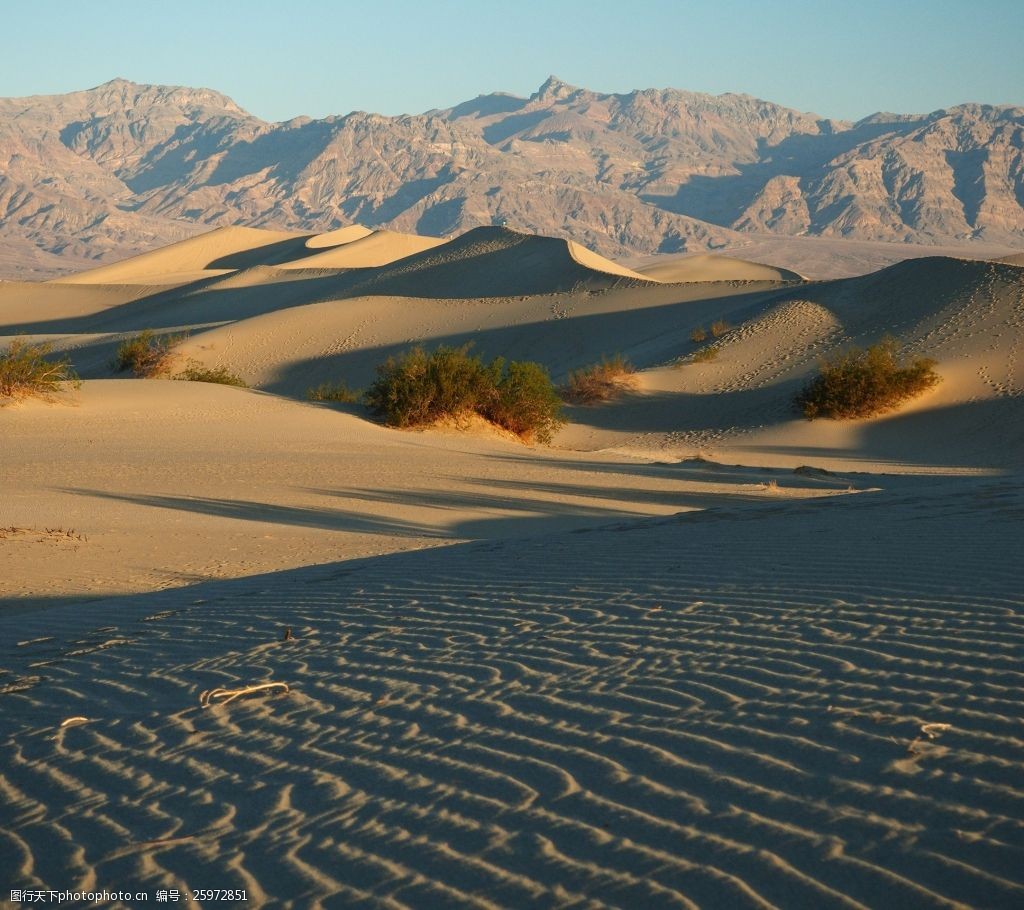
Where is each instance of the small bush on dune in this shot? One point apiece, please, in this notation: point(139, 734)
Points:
point(196, 372)
point(600, 382)
point(704, 355)
point(862, 383)
point(417, 388)
point(25, 371)
point(147, 355)
point(334, 391)
point(525, 402)
point(698, 335)
point(719, 327)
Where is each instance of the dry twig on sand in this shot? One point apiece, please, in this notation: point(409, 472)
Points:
point(931, 731)
point(224, 696)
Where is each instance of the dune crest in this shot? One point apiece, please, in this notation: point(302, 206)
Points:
point(374, 248)
point(338, 237)
point(715, 267)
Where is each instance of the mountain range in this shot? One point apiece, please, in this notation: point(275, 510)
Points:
point(96, 175)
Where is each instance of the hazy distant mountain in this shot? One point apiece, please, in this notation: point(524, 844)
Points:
point(103, 173)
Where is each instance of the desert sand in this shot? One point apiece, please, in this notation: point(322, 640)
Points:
point(712, 267)
point(699, 652)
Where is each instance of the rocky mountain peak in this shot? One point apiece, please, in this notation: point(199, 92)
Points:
point(554, 89)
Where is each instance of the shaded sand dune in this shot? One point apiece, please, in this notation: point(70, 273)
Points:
point(1013, 259)
point(711, 267)
point(806, 705)
point(497, 262)
point(373, 249)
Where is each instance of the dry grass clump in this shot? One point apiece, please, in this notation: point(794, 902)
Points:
point(26, 372)
point(862, 383)
point(704, 355)
point(698, 335)
point(599, 382)
point(147, 355)
point(719, 327)
point(196, 372)
point(334, 391)
point(417, 389)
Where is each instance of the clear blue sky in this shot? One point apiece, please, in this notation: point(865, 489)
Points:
point(839, 58)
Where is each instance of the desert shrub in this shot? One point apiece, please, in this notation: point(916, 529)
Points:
point(25, 371)
point(704, 355)
point(525, 401)
point(719, 327)
point(861, 383)
point(147, 355)
point(417, 388)
point(334, 391)
point(599, 382)
point(196, 372)
point(698, 335)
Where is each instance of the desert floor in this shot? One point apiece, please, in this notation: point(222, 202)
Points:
point(699, 652)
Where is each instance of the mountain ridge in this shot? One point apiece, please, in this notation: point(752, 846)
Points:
point(98, 174)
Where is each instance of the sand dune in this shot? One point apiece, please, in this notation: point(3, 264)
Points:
point(215, 252)
point(497, 262)
point(375, 249)
point(711, 267)
point(1013, 259)
point(615, 675)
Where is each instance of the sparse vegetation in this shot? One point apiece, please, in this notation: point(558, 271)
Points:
point(334, 391)
point(25, 371)
point(196, 372)
point(417, 388)
point(600, 382)
point(719, 327)
point(525, 402)
point(704, 355)
point(698, 335)
point(862, 383)
point(147, 355)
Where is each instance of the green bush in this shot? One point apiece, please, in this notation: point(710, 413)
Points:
point(25, 371)
point(196, 372)
point(147, 355)
point(599, 382)
point(417, 388)
point(525, 402)
point(334, 391)
point(862, 383)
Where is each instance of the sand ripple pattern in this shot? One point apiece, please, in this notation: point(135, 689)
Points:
point(718, 710)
